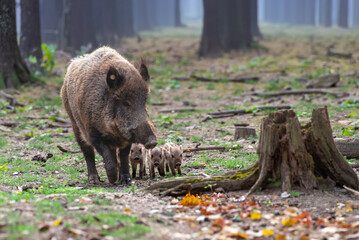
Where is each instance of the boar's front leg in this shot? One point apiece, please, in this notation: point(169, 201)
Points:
point(125, 169)
point(109, 158)
point(134, 169)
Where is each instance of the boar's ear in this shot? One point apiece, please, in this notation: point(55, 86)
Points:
point(144, 71)
point(114, 79)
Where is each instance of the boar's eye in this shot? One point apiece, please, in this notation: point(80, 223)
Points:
point(173, 156)
point(152, 156)
point(160, 155)
point(140, 150)
point(181, 155)
point(132, 150)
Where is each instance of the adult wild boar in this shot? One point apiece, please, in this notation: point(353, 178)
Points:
point(104, 96)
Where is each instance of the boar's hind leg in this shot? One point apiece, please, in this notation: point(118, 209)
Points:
point(109, 158)
point(125, 170)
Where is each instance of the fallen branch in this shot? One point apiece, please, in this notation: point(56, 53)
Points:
point(331, 52)
point(351, 190)
point(56, 119)
point(160, 103)
point(177, 110)
point(198, 149)
point(296, 92)
point(67, 151)
point(235, 80)
point(10, 98)
point(244, 111)
point(348, 147)
point(181, 78)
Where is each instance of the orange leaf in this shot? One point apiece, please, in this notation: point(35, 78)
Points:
point(256, 215)
point(190, 200)
point(280, 237)
point(218, 223)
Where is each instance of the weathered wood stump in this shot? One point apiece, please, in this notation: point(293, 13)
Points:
point(287, 152)
point(244, 133)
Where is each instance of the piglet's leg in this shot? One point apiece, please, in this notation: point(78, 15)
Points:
point(125, 167)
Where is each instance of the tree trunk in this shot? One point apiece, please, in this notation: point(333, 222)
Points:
point(211, 45)
point(30, 39)
point(309, 10)
point(325, 13)
point(65, 21)
point(51, 12)
point(356, 13)
point(13, 70)
point(226, 27)
point(178, 22)
point(141, 17)
point(288, 152)
point(254, 19)
point(124, 18)
point(343, 14)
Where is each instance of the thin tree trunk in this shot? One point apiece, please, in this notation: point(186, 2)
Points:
point(254, 19)
point(30, 39)
point(325, 13)
point(343, 14)
point(124, 18)
point(178, 22)
point(13, 70)
point(356, 13)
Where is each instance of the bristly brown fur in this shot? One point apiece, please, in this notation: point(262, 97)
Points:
point(105, 96)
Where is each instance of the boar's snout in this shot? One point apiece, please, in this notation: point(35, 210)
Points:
point(151, 142)
point(178, 164)
point(137, 158)
point(156, 163)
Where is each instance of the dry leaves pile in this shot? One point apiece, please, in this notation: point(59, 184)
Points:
point(219, 216)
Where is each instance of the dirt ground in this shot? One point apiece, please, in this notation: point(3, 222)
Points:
point(48, 197)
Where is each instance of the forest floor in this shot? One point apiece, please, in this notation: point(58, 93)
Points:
point(44, 193)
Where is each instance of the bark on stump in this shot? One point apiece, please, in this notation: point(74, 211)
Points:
point(287, 152)
point(244, 133)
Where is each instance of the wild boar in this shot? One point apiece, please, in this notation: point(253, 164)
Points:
point(104, 96)
point(173, 155)
point(156, 159)
point(138, 156)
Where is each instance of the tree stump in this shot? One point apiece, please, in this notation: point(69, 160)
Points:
point(287, 152)
point(244, 132)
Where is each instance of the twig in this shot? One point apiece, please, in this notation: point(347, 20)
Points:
point(220, 148)
point(160, 103)
point(177, 110)
point(355, 192)
point(236, 80)
point(296, 92)
point(331, 52)
point(243, 111)
point(67, 151)
point(181, 78)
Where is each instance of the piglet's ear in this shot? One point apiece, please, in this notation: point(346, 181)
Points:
point(114, 79)
point(144, 71)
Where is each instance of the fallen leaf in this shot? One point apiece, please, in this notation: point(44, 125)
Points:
point(303, 237)
point(44, 228)
point(127, 210)
point(267, 232)
point(190, 200)
point(289, 222)
point(57, 222)
point(256, 215)
point(280, 237)
point(218, 223)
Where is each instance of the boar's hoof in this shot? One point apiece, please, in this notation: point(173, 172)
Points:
point(94, 179)
point(151, 144)
point(125, 179)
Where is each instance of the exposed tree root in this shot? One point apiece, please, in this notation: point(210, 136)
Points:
point(288, 153)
